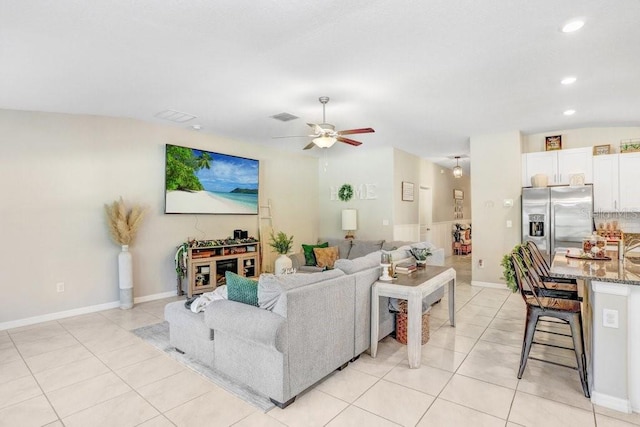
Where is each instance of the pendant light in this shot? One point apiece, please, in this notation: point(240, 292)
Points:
point(457, 170)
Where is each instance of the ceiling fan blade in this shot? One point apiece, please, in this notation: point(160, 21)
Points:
point(354, 131)
point(316, 128)
point(309, 146)
point(349, 141)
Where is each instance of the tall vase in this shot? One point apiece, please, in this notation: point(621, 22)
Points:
point(282, 263)
point(125, 278)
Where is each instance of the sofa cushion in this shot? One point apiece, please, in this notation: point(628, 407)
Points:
point(241, 289)
point(350, 266)
point(343, 245)
point(325, 257)
point(270, 286)
point(395, 244)
point(309, 256)
point(361, 248)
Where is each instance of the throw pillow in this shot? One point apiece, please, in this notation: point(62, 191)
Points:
point(242, 289)
point(309, 256)
point(325, 257)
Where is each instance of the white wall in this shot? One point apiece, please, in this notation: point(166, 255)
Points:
point(360, 168)
point(495, 178)
point(59, 170)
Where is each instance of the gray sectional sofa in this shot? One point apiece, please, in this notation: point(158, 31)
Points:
point(307, 325)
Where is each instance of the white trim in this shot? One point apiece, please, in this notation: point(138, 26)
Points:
point(59, 315)
point(488, 285)
point(155, 296)
point(78, 311)
point(619, 289)
point(611, 402)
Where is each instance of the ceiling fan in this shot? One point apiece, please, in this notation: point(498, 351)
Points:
point(325, 134)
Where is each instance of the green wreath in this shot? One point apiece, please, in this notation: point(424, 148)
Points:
point(345, 193)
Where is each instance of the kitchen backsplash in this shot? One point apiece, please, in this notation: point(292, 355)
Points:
point(627, 221)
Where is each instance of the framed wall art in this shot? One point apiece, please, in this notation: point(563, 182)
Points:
point(601, 149)
point(407, 191)
point(553, 143)
point(204, 182)
point(458, 194)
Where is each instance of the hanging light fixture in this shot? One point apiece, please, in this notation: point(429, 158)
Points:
point(457, 170)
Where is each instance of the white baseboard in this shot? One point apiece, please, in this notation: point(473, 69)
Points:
point(78, 311)
point(488, 285)
point(154, 297)
point(611, 402)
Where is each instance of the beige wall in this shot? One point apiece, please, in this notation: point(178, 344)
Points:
point(443, 185)
point(59, 170)
point(406, 168)
point(494, 180)
point(586, 137)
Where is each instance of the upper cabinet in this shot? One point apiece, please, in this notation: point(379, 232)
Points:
point(558, 165)
point(629, 174)
point(615, 178)
point(605, 183)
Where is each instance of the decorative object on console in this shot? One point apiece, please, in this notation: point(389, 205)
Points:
point(386, 263)
point(282, 245)
point(204, 182)
point(421, 255)
point(123, 224)
point(349, 222)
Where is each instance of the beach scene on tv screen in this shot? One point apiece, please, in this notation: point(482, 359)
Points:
point(199, 181)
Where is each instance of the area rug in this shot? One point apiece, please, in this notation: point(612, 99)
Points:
point(158, 336)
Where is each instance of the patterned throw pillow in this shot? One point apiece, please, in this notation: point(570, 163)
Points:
point(309, 256)
point(326, 257)
point(241, 289)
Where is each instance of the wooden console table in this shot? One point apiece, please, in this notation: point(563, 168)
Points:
point(413, 287)
point(207, 265)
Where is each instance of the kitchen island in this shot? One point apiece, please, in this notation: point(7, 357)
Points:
point(611, 317)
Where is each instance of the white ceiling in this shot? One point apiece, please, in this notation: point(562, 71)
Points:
point(426, 74)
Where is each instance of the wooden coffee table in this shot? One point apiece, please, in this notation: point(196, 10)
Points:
point(413, 287)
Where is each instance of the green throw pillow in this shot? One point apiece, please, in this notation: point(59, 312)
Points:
point(309, 256)
point(241, 289)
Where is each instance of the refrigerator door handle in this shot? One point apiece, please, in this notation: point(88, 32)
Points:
point(552, 229)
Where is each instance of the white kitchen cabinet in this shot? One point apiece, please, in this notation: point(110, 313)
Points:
point(558, 165)
point(605, 183)
point(629, 174)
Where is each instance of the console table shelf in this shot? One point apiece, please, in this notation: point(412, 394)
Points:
point(207, 265)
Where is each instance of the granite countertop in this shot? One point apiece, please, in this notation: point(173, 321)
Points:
point(625, 271)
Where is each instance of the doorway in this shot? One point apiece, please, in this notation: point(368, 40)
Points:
point(426, 213)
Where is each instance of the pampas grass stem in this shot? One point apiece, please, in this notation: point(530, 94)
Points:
point(123, 221)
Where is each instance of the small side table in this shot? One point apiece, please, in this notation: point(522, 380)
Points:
point(413, 287)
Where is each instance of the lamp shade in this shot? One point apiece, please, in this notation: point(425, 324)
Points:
point(324, 141)
point(349, 219)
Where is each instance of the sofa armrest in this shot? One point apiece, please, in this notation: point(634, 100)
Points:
point(248, 322)
point(297, 260)
point(436, 258)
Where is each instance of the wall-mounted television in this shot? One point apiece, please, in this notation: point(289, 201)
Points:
point(204, 182)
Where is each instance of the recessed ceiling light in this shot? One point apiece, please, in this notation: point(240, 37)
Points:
point(196, 127)
point(568, 80)
point(572, 26)
point(569, 112)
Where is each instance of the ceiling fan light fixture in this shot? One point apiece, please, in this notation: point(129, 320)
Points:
point(457, 170)
point(324, 141)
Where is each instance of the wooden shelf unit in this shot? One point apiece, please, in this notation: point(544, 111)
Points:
point(207, 265)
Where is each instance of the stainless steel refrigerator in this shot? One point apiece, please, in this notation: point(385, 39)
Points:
point(557, 218)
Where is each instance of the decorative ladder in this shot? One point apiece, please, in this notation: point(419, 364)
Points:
point(265, 227)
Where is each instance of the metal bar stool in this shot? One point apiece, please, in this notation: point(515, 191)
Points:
point(566, 310)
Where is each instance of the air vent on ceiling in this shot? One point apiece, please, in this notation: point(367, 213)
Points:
point(174, 116)
point(285, 117)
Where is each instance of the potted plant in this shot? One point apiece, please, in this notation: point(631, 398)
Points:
point(282, 244)
point(421, 255)
point(123, 222)
point(508, 272)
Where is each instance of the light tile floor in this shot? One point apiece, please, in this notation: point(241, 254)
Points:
point(91, 371)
